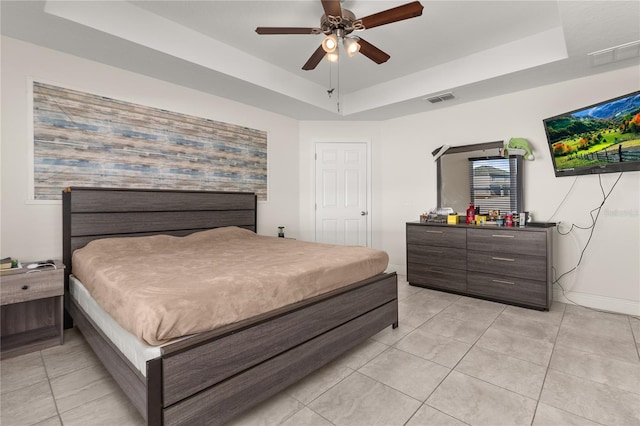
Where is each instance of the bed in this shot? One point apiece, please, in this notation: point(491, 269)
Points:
point(211, 376)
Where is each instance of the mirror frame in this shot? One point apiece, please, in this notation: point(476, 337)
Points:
point(479, 147)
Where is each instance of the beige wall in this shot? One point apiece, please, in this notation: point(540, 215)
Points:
point(34, 230)
point(404, 181)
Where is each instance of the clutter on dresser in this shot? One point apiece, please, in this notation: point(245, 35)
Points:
point(437, 215)
point(446, 215)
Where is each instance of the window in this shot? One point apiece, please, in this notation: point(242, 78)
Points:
point(494, 183)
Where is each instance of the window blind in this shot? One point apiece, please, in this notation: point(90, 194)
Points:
point(494, 183)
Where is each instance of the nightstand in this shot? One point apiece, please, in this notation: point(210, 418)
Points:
point(31, 307)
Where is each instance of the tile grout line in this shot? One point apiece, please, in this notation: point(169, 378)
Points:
point(617, 358)
point(53, 396)
point(493, 384)
point(387, 349)
point(396, 389)
point(325, 391)
point(546, 371)
point(635, 338)
point(453, 368)
point(511, 333)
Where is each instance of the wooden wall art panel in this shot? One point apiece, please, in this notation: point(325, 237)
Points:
point(81, 139)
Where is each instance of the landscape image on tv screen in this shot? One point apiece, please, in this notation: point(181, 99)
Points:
point(597, 139)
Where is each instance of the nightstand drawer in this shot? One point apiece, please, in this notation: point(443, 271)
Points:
point(31, 286)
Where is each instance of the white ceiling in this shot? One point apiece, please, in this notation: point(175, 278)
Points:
point(474, 49)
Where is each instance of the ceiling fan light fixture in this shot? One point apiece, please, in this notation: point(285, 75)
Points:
point(337, 24)
point(330, 43)
point(351, 45)
point(332, 56)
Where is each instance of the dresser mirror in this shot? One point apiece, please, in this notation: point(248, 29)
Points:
point(478, 174)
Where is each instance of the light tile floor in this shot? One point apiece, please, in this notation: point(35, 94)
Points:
point(454, 360)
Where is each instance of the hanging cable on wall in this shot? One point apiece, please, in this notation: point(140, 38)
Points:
point(594, 214)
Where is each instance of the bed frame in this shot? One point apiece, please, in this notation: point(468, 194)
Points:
point(211, 377)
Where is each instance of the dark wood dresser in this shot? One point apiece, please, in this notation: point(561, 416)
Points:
point(511, 265)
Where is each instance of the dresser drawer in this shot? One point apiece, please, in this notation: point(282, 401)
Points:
point(516, 290)
point(31, 286)
point(436, 276)
point(437, 236)
point(437, 256)
point(512, 265)
point(507, 241)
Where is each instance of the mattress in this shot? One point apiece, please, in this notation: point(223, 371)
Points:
point(163, 287)
point(131, 347)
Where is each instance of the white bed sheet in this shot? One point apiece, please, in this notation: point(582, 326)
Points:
point(136, 352)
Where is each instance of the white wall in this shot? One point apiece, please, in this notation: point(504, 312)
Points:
point(404, 183)
point(34, 230)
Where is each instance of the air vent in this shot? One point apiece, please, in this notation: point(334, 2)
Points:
point(440, 98)
point(615, 53)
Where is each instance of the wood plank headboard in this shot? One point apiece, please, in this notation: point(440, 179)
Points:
point(93, 213)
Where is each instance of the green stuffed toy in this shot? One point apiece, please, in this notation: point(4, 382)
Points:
point(519, 146)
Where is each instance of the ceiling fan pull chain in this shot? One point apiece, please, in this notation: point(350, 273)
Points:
point(338, 85)
point(331, 88)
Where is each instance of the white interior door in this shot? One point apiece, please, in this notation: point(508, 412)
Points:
point(342, 215)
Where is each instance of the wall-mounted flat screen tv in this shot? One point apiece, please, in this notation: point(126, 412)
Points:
point(600, 138)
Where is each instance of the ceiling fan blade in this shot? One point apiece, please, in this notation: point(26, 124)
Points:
point(406, 11)
point(332, 7)
point(315, 59)
point(372, 52)
point(287, 30)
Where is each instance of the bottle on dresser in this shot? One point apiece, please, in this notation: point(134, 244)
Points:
point(471, 214)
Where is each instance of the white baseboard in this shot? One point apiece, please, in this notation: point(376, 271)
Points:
point(623, 306)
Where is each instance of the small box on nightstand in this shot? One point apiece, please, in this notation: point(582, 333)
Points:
point(31, 304)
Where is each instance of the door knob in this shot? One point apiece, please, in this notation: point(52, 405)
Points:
point(364, 213)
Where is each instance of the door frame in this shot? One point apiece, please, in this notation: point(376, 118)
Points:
point(367, 143)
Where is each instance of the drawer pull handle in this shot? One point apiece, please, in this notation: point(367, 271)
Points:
point(433, 232)
point(504, 282)
point(504, 259)
point(25, 287)
point(503, 236)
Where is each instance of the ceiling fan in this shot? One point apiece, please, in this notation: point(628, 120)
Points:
point(338, 23)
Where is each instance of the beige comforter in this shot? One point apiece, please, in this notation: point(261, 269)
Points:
point(162, 287)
